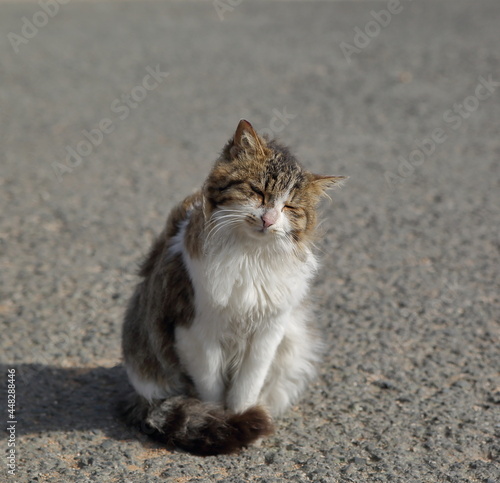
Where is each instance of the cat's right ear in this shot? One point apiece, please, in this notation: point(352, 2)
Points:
point(320, 184)
point(246, 139)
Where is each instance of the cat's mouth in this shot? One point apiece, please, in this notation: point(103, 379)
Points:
point(263, 231)
point(257, 228)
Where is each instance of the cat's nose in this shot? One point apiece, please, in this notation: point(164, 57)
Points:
point(270, 217)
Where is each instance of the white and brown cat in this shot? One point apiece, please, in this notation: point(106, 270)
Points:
point(218, 335)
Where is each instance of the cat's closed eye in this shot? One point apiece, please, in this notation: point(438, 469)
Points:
point(258, 193)
point(230, 184)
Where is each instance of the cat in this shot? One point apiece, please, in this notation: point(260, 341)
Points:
point(218, 336)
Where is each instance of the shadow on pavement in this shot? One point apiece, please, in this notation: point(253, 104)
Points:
point(52, 398)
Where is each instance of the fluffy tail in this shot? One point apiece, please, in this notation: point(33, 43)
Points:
point(197, 427)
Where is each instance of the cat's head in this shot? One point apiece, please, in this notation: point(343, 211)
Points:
point(259, 190)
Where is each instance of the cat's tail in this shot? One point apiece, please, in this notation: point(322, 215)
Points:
point(197, 427)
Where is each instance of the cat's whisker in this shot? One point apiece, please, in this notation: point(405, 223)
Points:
point(228, 210)
point(219, 226)
point(227, 215)
point(317, 248)
point(221, 215)
point(293, 246)
point(218, 216)
point(221, 221)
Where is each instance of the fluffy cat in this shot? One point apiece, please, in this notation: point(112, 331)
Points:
point(218, 336)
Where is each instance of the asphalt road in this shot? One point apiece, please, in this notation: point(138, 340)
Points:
point(112, 111)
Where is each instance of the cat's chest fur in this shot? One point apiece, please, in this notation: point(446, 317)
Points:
point(240, 280)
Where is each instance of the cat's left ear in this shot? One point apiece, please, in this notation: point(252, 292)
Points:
point(323, 183)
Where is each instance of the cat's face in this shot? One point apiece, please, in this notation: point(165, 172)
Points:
point(258, 190)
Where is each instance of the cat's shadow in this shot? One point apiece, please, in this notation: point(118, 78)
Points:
point(52, 398)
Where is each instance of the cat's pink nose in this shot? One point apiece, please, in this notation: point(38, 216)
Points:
point(270, 217)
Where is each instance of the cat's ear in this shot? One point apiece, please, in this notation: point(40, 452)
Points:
point(322, 183)
point(246, 139)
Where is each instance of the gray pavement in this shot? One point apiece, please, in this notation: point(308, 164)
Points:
point(98, 143)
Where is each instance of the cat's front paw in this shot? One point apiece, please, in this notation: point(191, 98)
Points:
point(238, 406)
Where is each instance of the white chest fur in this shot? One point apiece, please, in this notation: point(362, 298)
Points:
point(245, 279)
point(255, 284)
point(248, 295)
